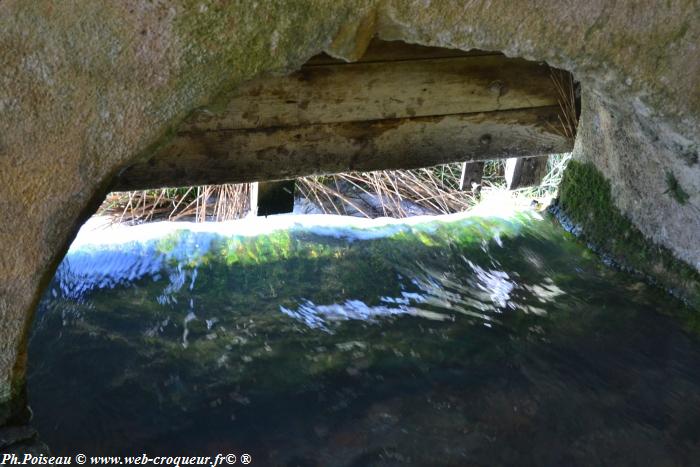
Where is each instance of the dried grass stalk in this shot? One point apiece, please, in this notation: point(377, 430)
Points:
point(201, 203)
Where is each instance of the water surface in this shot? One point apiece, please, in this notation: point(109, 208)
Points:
point(466, 341)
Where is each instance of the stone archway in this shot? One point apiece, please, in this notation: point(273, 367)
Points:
point(88, 89)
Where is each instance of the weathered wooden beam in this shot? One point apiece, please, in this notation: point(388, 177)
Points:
point(268, 198)
point(400, 106)
point(233, 156)
point(471, 176)
point(383, 90)
point(525, 172)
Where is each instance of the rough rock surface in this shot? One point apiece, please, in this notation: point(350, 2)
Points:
point(641, 157)
point(87, 87)
point(21, 440)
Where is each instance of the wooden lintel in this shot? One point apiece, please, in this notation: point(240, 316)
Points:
point(383, 90)
point(400, 106)
point(236, 156)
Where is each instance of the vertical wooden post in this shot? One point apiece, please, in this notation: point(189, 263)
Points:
point(525, 171)
point(267, 198)
point(471, 176)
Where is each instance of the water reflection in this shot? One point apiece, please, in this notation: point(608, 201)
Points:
point(319, 316)
point(468, 342)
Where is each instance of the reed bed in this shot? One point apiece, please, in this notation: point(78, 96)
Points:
point(389, 193)
point(196, 203)
point(403, 193)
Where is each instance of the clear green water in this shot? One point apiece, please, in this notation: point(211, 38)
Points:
point(470, 342)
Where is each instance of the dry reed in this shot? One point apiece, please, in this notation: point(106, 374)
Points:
point(198, 203)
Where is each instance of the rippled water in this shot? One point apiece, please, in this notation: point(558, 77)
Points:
point(468, 341)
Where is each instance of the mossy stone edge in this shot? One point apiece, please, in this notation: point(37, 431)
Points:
point(585, 208)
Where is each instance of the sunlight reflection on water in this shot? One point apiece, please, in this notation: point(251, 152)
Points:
point(472, 340)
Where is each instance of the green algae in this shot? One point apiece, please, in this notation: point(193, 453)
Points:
point(234, 324)
point(585, 197)
point(675, 190)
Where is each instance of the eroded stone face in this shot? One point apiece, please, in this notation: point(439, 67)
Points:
point(85, 88)
point(654, 173)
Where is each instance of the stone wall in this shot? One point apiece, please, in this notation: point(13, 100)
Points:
point(633, 189)
point(87, 87)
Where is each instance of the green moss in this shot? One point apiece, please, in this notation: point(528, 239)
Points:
point(586, 198)
point(689, 155)
point(675, 190)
